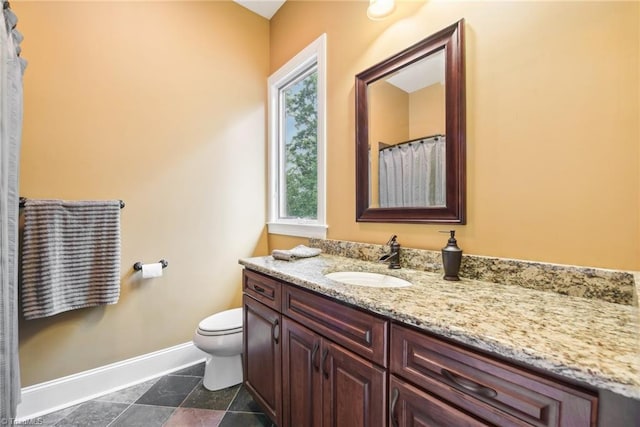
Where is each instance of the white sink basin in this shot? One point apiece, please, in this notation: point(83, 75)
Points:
point(372, 280)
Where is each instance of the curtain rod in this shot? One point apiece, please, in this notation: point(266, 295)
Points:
point(438, 135)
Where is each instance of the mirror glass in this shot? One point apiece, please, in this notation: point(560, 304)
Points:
point(410, 137)
point(407, 136)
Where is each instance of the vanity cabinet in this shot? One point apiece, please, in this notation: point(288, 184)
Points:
point(262, 344)
point(499, 393)
point(312, 361)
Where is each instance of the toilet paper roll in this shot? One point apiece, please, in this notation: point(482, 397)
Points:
point(151, 270)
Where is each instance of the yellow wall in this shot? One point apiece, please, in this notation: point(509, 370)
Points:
point(388, 114)
point(552, 122)
point(428, 111)
point(161, 104)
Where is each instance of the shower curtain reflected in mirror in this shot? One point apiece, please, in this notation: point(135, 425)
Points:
point(413, 174)
point(11, 70)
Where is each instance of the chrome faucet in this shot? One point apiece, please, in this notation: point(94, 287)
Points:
point(393, 257)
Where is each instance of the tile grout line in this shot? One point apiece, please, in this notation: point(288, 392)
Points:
point(120, 414)
point(186, 397)
point(132, 403)
point(233, 398)
point(74, 409)
point(188, 394)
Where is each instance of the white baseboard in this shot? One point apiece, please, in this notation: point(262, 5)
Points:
point(63, 392)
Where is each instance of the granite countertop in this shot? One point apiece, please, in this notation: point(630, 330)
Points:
point(588, 340)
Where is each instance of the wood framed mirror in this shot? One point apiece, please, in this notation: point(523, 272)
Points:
point(410, 134)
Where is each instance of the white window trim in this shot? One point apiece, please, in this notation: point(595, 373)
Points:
point(315, 52)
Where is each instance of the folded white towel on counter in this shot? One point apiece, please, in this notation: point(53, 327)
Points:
point(300, 251)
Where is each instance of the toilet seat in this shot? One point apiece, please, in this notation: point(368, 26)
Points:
point(224, 323)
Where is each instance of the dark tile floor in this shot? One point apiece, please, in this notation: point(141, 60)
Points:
point(175, 400)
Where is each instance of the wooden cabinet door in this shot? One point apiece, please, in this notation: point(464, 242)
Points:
point(353, 389)
point(302, 382)
point(262, 357)
point(412, 407)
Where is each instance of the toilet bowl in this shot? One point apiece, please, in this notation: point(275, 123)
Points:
point(220, 336)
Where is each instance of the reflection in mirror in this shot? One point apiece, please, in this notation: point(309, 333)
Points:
point(406, 136)
point(410, 134)
point(410, 174)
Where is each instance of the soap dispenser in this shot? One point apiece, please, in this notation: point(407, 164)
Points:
point(451, 257)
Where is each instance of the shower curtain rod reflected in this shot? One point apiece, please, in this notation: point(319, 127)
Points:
point(411, 141)
point(24, 199)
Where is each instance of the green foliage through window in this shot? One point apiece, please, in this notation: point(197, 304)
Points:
point(301, 148)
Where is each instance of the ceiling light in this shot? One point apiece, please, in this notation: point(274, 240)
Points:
point(380, 9)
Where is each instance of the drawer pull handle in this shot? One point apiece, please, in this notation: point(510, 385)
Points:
point(324, 359)
point(276, 331)
point(316, 346)
point(258, 288)
point(469, 385)
point(392, 410)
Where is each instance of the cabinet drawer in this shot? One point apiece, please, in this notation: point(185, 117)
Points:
point(360, 332)
point(410, 406)
point(263, 288)
point(495, 391)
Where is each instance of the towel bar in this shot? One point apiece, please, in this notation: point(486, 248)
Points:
point(138, 265)
point(24, 199)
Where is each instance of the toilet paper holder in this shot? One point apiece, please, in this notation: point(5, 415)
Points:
point(138, 265)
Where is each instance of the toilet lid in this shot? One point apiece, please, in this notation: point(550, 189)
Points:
point(229, 321)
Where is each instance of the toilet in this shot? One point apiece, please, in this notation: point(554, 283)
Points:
point(220, 336)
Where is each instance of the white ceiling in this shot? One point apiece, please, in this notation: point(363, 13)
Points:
point(265, 8)
point(420, 74)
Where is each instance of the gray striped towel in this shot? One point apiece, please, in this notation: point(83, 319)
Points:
point(70, 255)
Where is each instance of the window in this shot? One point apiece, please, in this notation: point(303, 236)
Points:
point(297, 145)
